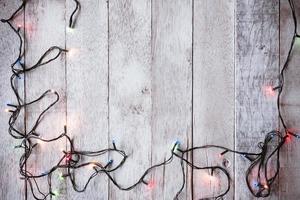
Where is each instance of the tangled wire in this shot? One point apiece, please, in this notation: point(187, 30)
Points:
point(259, 179)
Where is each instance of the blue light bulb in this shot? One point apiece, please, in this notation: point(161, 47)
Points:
point(255, 184)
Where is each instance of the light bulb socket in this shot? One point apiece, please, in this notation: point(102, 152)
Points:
point(114, 144)
point(110, 162)
point(11, 105)
point(224, 152)
point(65, 128)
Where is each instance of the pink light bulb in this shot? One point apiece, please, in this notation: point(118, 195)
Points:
point(151, 185)
point(269, 92)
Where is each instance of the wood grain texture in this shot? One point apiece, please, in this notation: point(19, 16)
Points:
point(130, 91)
point(256, 71)
point(11, 187)
point(145, 74)
point(171, 92)
point(45, 27)
point(213, 92)
point(289, 178)
point(87, 91)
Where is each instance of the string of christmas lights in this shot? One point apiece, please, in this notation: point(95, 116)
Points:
point(259, 179)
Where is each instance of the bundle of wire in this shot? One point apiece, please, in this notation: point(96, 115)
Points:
point(257, 172)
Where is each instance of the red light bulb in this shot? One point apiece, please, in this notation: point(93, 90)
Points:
point(68, 157)
point(288, 138)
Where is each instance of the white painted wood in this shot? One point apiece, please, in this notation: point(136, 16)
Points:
point(87, 91)
point(146, 73)
point(130, 91)
point(213, 92)
point(11, 186)
point(171, 92)
point(289, 173)
point(45, 28)
point(256, 71)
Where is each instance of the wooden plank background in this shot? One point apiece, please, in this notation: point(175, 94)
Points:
point(146, 73)
point(257, 69)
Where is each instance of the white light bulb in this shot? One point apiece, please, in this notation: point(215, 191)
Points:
point(70, 30)
point(72, 52)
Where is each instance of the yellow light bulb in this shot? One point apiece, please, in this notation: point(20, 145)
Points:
point(93, 165)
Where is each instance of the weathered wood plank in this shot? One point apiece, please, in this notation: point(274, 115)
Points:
point(150, 105)
point(130, 91)
point(213, 92)
point(256, 73)
point(87, 91)
point(289, 179)
point(171, 92)
point(11, 186)
point(45, 27)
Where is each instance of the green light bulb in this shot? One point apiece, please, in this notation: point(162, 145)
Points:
point(61, 177)
point(55, 193)
point(297, 41)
